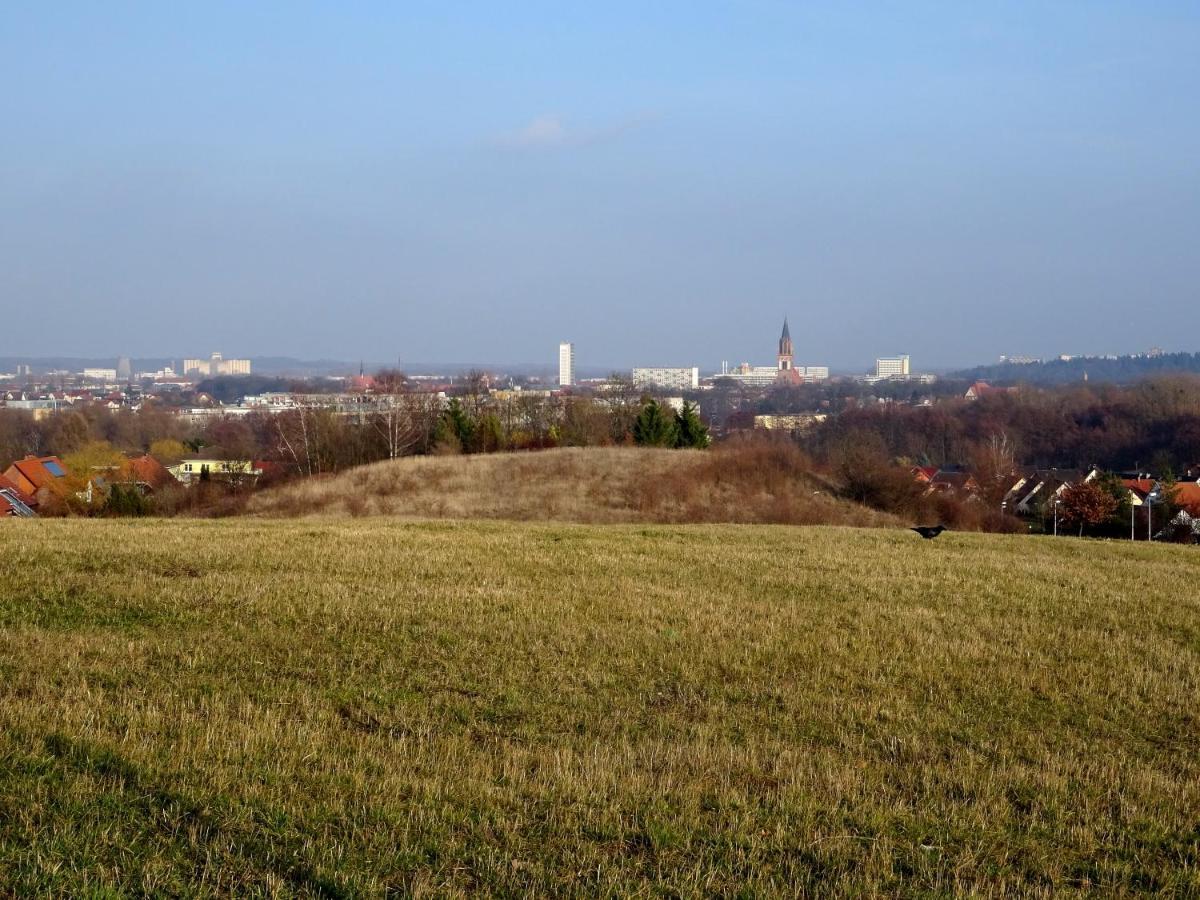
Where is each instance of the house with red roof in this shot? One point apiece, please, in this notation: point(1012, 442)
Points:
point(15, 503)
point(923, 474)
point(1187, 495)
point(982, 389)
point(148, 474)
point(953, 481)
point(35, 474)
point(1139, 489)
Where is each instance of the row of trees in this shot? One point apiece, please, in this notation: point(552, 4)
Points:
point(1153, 425)
point(1102, 508)
point(315, 439)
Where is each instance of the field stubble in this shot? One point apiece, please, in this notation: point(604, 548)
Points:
point(363, 706)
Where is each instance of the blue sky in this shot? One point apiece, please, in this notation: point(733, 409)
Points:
point(659, 182)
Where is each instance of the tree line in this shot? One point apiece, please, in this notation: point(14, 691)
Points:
point(1153, 425)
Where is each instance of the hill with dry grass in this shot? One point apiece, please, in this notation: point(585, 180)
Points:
point(759, 483)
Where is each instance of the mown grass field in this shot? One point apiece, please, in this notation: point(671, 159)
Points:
point(358, 707)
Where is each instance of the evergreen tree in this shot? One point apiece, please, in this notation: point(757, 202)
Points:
point(455, 427)
point(654, 427)
point(489, 434)
point(1166, 506)
point(690, 429)
point(1110, 483)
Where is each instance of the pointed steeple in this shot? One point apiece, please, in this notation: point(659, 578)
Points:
point(785, 348)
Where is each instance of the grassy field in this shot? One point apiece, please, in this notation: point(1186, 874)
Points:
point(363, 706)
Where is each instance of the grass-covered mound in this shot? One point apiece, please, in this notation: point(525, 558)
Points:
point(764, 482)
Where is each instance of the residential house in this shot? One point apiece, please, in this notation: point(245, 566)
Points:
point(1044, 486)
point(144, 474)
point(1139, 489)
point(953, 481)
point(14, 502)
point(1187, 495)
point(923, 474)
point(194, 468)
point(982, 389)
point(147, 474)
point(36, 475)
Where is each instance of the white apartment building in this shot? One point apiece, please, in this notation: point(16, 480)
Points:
point(100, 374)
point(216, 365)
point(680, 379)
point(892, 367)
point(566, 364)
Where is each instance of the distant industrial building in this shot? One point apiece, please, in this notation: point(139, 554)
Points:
point(124, 368)
point(680, 379)
point(566, 364)
point(100, 374)
point(892, 367)
point(216, 365)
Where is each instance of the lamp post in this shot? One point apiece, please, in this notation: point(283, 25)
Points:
point(1151, 499)
point(1056, 504)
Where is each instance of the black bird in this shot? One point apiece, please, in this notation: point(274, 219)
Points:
point(929, 532)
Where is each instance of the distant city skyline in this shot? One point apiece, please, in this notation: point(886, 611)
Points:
point(549, 366)
point(662, 182)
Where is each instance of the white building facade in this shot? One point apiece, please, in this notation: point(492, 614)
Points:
point(892, 367)
point(566, 364)
point(680, 379)
point(216, 365)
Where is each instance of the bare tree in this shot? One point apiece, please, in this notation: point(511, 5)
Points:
point(475, 391)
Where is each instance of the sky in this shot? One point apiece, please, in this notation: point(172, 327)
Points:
point(659, 182)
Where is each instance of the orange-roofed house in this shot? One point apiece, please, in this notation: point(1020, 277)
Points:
point(923, 474)
point(14, 502)
point(35, 474)
point(1187, 495)
point(148, 474)
point(1139, 489)
point(982, 389)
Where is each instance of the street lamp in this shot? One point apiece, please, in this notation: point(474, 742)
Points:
point(1057, 503)
point(1151, 499)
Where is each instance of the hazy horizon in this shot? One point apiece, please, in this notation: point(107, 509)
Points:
point(660, 185)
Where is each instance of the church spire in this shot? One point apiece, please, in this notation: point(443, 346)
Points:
point(785, 348)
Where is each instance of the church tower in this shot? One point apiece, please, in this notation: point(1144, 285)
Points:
point(785, 348)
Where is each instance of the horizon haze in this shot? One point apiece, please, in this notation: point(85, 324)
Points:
point(659, 184)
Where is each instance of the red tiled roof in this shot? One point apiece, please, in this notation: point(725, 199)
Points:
point(149, 470)
point(1188, 496)
point(953, 481)
point(31, 472)
point(1142, 486)
point(5, 506)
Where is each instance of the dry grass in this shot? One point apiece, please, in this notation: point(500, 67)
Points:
point(761, 483)
point(362, 707)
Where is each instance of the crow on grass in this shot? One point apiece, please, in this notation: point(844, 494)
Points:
point(929, 532)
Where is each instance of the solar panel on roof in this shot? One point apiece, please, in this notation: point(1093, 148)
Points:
point(54, 469)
